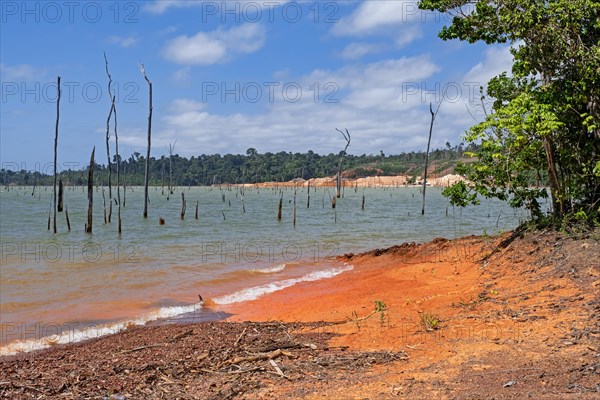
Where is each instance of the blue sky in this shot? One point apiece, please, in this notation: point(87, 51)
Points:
point(229, 75)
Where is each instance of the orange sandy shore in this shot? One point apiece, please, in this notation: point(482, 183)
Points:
point(410, 279)
point(510, 313)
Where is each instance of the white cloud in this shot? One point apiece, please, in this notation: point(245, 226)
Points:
point(214, 8)
point(497, 60)
point(160, 6)
point(21, 72)
point(182, 76)
point(206, 48)
point(186, 105)
point(127, 41)
point(358, 50)
point(385, 106)
point(369, 103)
point(376, 16)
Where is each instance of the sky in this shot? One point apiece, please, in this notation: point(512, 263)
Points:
point(231, 75)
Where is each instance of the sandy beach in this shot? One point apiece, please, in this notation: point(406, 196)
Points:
point(475, 317)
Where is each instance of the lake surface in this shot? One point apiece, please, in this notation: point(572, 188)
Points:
point(75, 285)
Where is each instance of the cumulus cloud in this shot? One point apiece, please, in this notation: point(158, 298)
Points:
point(384, 104)
point(377, 16)
point(206, 48)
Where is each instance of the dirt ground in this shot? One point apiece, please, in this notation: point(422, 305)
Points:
point(507, 317)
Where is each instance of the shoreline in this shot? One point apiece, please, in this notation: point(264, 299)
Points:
point(437, 315)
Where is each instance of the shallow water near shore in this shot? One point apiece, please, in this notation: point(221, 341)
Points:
point(99, 283)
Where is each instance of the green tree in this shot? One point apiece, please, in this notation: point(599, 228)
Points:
point(544, 122)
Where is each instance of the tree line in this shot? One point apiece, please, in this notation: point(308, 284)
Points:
point(252, 167)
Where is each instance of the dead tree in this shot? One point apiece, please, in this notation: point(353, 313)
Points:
point(110, 113)
point(294, 207)
point(118, 172)
point(56, 146)
point(67, 218)
point(433, 116)
point(183, 205)
point(88, 226)
point(338, 189)
point(171, 149)
point(279, 209)
point(60, 196)
point(147, 169)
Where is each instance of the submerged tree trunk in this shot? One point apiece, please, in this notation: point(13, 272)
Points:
point(60, 196)
point(88, 226)
point(110, 112)
point(183, 206)
point(118, 173)
point(346, 135)
point(433, 115)
point(56, 146)
point(147, 168)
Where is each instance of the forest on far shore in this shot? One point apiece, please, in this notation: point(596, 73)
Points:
point(252, 167)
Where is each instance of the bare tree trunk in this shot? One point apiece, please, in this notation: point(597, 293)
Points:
point(339, 174)
point(196, 213)
point(88, 226)
point(558, 208)
point(118, 172)
point(294, 208)
point(433, 115)
point(147, 169)
point(171, 149)
point(182, 206)
point(279, 209)
point(112, 108)
point(60, 196)
point(56, 147)
point(104, 204)
point(67, 218)
point(308, 196)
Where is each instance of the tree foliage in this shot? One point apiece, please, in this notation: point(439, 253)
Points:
point(544, 125)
